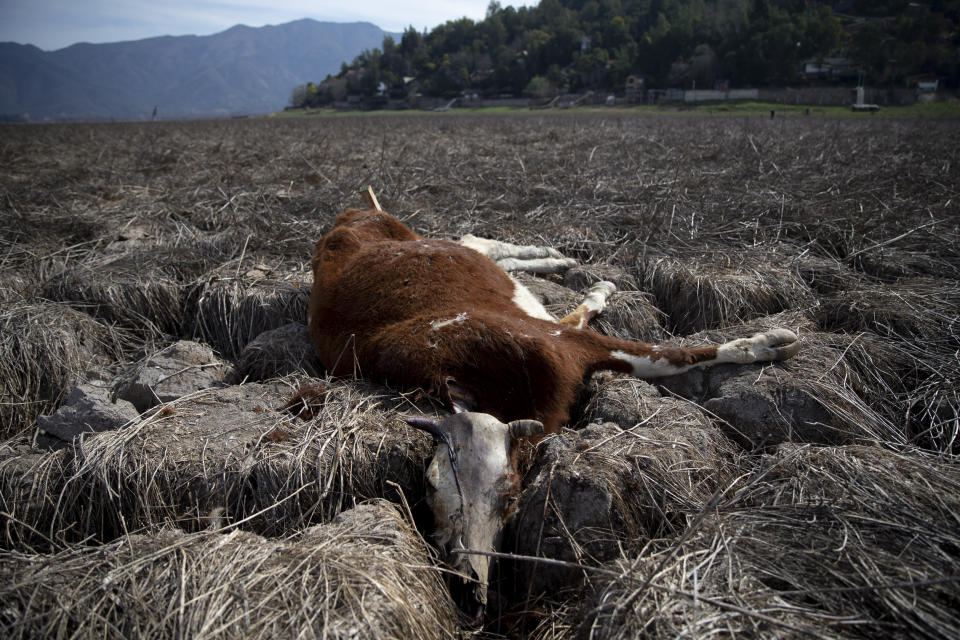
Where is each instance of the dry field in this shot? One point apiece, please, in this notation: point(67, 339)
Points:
point(228, 488)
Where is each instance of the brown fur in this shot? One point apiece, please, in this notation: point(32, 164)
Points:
point(377, 288)
point(306, 403)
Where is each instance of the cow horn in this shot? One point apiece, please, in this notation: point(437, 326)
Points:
point(429, 425)
point(521, 428)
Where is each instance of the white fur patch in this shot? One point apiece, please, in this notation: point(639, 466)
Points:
point(519, 257)
point(646, 367)
point(528, 303)
point(596, 300)
point(440, 324)
point(497, 250)
point(537, 265)
point(485, 246)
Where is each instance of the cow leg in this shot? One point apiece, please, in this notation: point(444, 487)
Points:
point(594, 303)
point(515, 257)
point(776, 344)
point(537, 265)
point(656, 360)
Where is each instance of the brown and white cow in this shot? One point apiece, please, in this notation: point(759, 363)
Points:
point(445, 318)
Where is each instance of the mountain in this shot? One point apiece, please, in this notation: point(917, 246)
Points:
point(242, 70)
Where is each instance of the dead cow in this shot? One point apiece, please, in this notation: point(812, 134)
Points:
point(443, 317)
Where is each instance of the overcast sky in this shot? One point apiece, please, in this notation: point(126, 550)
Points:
point(54, 24)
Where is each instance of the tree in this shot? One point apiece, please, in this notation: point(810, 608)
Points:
point(820, 33)
point(539, 87)
point(298, 97)
point(704, 66)
point(616, 35)
point(751, 42)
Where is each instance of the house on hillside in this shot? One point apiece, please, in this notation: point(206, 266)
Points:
point(833, 68)
point(634, 87)
point(924, 83)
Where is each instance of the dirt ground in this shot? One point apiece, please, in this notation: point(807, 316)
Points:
point(815, 497)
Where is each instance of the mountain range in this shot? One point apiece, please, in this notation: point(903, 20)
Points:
point(240, 71)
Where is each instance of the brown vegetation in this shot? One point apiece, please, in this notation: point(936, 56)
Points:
point(812, 497)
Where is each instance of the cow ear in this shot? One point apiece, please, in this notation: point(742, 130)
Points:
point(431, 426)
point(522, 428)
point(456, 398)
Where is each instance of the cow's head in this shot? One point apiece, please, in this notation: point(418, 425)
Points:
point(469, 480)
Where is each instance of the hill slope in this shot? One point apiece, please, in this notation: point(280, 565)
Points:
point(239, 71)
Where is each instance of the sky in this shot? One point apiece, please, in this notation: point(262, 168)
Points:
point(54, 24)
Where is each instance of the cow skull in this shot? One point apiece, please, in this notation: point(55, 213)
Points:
point(468, 481)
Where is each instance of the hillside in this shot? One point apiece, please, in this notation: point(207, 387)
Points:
point(242, 70)
point(576, 46)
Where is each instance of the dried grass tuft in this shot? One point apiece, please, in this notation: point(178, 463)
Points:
point(918, 322)
point(143, 292)
point(279, 352)
point(631, 315)
point(45, 349)
point(593, 493)
point(31, 485)
point(915, 309)
point(14, 287)
point(242, 299)
point(820, 542)
point(709, 291)
point(218, 456)
point(368, 574)
point(858, 380)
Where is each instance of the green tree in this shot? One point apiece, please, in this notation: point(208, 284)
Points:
point(616, 34)
point(751, 42)
point(539, 87)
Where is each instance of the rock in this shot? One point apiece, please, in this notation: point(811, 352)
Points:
point(765, 411)
point(279, 352)
point(87, 409)
point(764, 405)
point(182, 368)
point(761, 405)
point(818, 396)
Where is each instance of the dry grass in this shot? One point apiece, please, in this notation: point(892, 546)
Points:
point(279, 352)
point(603, 491)
point(243, 298)
point(870, 385)
point(720, 289)
point(847, 231)
point(45, 349)
point(630, 314)
point(227, 454)
point(368, 574)
point(820, 542)
point(142, 291)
